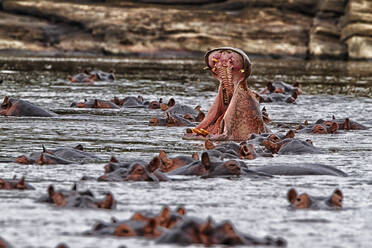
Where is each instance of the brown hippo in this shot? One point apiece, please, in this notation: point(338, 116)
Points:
point(15, 107)
point(74, 199)
point(206, 232)
point(170, 120)
point(93, 76)
point(315, 202)
point(95, 103)
point(14, 184)
point(235, 113)
point(133, 171)
point(343, 124)
point(282, 88)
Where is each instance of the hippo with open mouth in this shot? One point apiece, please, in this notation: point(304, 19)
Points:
point(235, 113)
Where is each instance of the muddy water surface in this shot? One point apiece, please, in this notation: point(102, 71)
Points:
point(255, 206)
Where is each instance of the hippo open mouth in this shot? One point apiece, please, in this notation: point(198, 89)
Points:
point(235, 113)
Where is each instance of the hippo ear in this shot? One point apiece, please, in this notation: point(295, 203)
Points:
point(165, 213)
point(200, 116)
point(79, 147)
point(207, 227)
point(51, 191)
point(113, 160)
point(6, 102)
point(336, 198)
point(108, 202)
point(171, 102)
point(96, 104)
point(154, 164)
point(198, 108)
point(112, 70)
point(74, 187)
point(195, 156)
point(86, 72)
point(292, 195)
point(334, 127)
point(181, 211)
point(257, 96)
point(21, 183)
point(44, 149)
point(205, 160)
point(140, 98)
point(347, 124)
point(164, 158)
point(70, 78)
point(289, 134)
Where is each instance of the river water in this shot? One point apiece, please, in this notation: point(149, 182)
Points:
point(255, 206)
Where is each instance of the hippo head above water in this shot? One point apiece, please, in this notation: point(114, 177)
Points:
point(235, 113)
point(305, 200)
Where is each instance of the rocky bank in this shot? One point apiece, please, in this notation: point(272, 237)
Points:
point(340, 29)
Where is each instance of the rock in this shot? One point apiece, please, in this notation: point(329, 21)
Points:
point(125, 30)
point(360, 47)
point(359, 11)
point(337, 6)
point(360, 29)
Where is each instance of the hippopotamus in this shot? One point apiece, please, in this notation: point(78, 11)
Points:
point(170, 120)
point(277, 97)
point(206, 168)
point(258, 139)
point(4, 243)
point(15, 184)
point(95, 103)
point(291, 146)
point(281, 87)
point(58, 156)
point(166, 218)
point(234, 151)
point(325, 127)
point(90, 77)
point(206, 232)
point(191, 114)
point(15, 107)
point(134, 171)
point(334, 201)
point(103, 76)
point(235, 112)
point(171, 163)
point(136, 102)
point(343, 124)
point(300, 170)
point(127, 228)
point(74, 199)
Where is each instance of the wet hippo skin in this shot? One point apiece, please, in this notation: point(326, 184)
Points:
point(235, 113)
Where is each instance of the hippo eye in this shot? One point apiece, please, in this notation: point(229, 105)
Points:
point(298, 199)
point(124, 231)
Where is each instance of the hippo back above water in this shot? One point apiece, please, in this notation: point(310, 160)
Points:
point(14, 107)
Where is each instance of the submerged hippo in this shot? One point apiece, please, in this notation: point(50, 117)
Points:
point(61, 155)
point(73, 198)
point(95, 103)
point(343, 124)
point(235, 113)
point(171, 120)
point(15, 107)
point(93, 76)
point(15, 184)
point(302, 169)
point(134, 171)
point(334, 201)
point(207, 232)
point(281, 87)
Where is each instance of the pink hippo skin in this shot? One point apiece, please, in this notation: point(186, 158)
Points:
point(235, 113)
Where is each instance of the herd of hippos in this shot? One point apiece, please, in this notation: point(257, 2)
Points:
point(234, 117)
